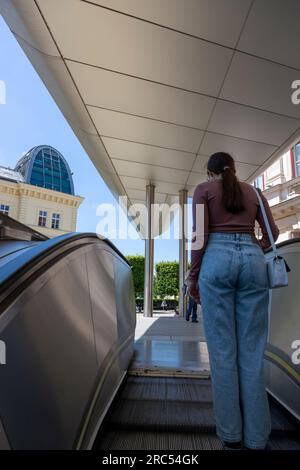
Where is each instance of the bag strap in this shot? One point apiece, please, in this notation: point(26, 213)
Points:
point(267, 223)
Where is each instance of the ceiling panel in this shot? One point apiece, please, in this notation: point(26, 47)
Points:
point(272, 31)
point(122, 150)
point(215, 20)
point(241, 150)
point(200, 163)
point(119, 92)
point(137, 201)
point(248, 123)
point(127, 127)
point(260, 83)
point(125, 44)
point(196, 178)
point(38, 37)
point(137, 194)
point(149, 172)
point(244, 171)
point(132, 182)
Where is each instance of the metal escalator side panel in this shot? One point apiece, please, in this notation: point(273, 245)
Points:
point(114, 335)
point(4, 444)
point(125, 299)
point(51, 362)
point(281, 370)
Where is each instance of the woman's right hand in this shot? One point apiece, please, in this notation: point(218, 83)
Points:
point(193, 291)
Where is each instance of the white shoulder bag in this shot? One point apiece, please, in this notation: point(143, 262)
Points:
point(276, 265)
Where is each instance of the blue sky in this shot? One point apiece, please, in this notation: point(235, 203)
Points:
point(30, 117)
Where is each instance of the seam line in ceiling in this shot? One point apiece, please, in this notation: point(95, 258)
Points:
point(215, 43)
point(221, 87)
point(186, 90)
point(167, 148)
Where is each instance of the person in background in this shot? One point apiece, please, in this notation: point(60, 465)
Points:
point(192, 306)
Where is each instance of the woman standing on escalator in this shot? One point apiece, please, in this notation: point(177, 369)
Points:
point(228, 276)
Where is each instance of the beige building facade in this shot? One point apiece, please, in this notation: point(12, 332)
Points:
point(280, 184)
point(51, 212)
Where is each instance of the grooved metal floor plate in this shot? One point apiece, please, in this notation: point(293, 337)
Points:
point(167, 345)
point(174, 358)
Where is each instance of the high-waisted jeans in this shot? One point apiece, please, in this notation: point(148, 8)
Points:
point(234, 297)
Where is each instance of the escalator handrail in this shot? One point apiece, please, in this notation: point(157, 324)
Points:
point(290, 241)
point(38, 252)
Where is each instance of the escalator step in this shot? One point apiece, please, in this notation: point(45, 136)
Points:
point(155, 413)
point(130, 440)
point(189, 416)
point(284, 443)
point(154, 388)
point(163, 415)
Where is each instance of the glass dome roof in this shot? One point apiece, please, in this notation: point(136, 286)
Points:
point(45, 166)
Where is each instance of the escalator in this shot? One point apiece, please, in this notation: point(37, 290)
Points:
point(67, 319)
point(159, 413)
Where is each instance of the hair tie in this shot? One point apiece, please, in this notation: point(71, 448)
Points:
point(225, 168)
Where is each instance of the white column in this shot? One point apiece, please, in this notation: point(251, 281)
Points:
point(149, 253)
point(183, 255)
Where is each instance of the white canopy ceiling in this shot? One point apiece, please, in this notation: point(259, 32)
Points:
point(153, 87)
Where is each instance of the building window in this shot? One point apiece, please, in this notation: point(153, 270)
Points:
point(274, 171)
point(297, 159)
point(50, 171)
point(259, 182)
point(42, 218)
point(55, 221)
point(4, 209)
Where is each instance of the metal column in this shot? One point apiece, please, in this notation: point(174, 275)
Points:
point(149, 252)
point(183, 255)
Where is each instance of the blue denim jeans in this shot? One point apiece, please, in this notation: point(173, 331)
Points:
point(234, 297)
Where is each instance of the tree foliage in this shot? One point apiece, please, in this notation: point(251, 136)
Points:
point(137, 263)
point(166, 279)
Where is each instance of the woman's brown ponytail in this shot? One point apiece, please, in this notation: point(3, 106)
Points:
point(232, 196)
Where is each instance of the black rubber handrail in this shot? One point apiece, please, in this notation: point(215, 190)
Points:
point(38, 252)
point(290, 241)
